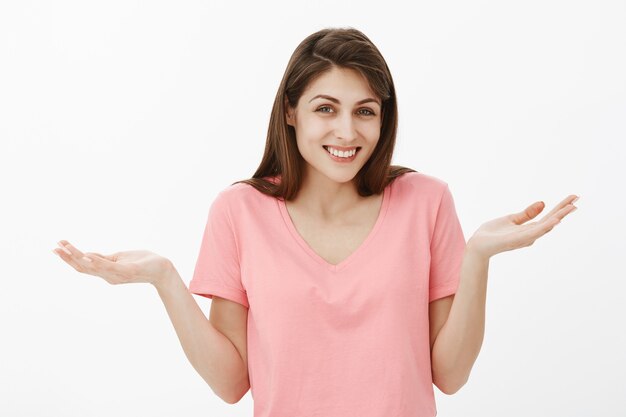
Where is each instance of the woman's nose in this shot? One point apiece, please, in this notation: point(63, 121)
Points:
point(345, 127)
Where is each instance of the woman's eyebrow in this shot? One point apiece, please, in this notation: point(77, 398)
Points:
point(334, 100)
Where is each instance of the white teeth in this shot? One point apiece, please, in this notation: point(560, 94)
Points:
point(340, 154)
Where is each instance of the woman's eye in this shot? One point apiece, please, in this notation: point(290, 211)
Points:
point(369, 112)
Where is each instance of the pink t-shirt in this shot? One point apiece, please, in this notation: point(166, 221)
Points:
point(342, 340)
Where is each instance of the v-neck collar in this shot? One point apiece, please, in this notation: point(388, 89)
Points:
point(316, 257)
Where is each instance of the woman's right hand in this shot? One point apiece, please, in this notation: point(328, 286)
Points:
point(120, 267)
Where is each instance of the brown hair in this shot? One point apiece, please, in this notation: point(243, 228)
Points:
point(317, 54)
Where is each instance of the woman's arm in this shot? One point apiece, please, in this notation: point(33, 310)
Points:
point(459, 341)
point(210, 352)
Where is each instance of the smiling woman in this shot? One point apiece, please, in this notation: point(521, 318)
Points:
point(341, 323)
point(341, 285)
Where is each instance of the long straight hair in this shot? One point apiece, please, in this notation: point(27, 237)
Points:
point(320, 52)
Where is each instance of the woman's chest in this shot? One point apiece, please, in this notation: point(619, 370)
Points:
point(335, 241)
point(285, 282)
point(332, 243)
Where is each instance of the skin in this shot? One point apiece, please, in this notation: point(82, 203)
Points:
point(328, 190)
point(513, 230)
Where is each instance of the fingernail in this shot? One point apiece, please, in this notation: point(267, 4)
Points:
point(86, 259)
point(573, 201)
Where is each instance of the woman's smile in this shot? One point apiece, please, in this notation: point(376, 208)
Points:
point(341, 156)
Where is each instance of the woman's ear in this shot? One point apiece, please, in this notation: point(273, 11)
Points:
point(289, 113)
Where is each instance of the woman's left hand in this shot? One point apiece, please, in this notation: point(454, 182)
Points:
point(509, 232)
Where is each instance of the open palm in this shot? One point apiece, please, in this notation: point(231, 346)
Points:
point(512, 231)
point(119, 268)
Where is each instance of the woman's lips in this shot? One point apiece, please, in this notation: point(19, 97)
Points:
point(342, 159)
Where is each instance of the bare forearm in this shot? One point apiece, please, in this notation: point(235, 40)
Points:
point(211, 353)
point(459, 341)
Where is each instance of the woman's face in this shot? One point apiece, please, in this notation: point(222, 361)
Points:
point(347, 117)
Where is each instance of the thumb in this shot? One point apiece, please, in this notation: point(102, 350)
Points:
point(529, 212)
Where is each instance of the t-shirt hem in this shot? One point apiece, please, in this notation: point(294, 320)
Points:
point(440, 292)
point(208, 289)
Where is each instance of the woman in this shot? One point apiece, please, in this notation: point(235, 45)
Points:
point(341, 285)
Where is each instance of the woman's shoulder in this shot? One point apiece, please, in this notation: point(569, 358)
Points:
point(243, 196)
point(237, 191)
point(416, 191)
point(419, 181)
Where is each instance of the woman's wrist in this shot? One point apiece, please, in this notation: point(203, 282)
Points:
point(168, 279)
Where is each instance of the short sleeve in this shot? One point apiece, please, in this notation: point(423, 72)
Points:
point(217, 270)
point(447, 247)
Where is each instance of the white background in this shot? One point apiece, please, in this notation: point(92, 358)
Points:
point(120, 121)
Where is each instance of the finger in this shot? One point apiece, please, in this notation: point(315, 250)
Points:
point(97, 266)
point(64, 249)
point(529, 212)
point(109, 267)
point(560, 214)
point(73, 251)
point(567, 201)
point(545, 225)
point(70, 259)
point(76, 254)
point(101, 262)
point(111, 258)
point(537, 230)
